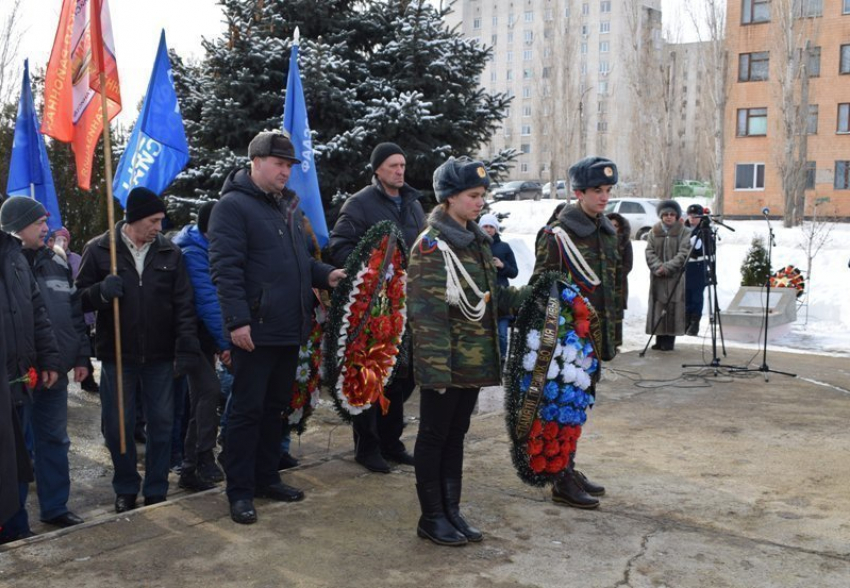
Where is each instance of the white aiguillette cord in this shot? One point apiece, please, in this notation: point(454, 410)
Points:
point(575, 257)
point(455, 294)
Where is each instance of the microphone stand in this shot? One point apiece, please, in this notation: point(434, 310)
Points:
point(764, 368)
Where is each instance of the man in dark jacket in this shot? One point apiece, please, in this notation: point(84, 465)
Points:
point(377, 436)
point(264, 276)
point(158, 339)
point(199, 471)
point(28, 335)
point(50, 407)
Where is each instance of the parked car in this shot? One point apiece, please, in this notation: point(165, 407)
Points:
point(641, 213)
point(692, 188)
point(517, 190)
point(560, 190)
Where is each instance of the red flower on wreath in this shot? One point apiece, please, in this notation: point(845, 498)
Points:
point(549, 446)
point(538, 464)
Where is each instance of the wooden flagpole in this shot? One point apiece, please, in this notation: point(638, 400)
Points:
point(110, 214)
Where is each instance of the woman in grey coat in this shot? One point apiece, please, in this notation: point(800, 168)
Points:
point(667, 249)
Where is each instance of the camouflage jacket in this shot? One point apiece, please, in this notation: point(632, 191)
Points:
point(448, 349)
point(596, 239)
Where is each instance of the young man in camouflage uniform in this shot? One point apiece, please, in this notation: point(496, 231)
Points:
point(582, 243)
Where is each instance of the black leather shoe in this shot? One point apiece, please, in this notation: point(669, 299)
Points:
point(567, 491)
point(190, 479)
point(68, 519)
point(403, 457)
point(11, 539)
point(125, 502)
point(373, 462)
point(587, 485)
point(242, 512)
point(286, 461)
point(150, 500)
point(208, 469)
point(280, 492)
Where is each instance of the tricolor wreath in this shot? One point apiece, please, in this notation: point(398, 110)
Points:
point(305, 389)
point(549, 378)
point(366, 321)
point(789, 277)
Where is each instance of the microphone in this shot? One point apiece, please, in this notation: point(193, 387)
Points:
point(765, 211)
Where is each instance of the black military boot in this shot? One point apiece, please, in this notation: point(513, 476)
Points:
point(433, 523)
point(568, 491)
point(451, 502)
point(693, 325)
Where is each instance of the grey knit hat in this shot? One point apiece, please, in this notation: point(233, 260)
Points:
point(18, 212)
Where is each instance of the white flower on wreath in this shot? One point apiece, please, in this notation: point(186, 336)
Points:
point(586, 363)
point(390, 272)
point(568, 374)
point(314, 397)
point(302, 374)
point(296, 416)
point(529, 360)
point(582, 380)
point(305, 351)
point(568, 353)
point(533, 340)
point(554, 370)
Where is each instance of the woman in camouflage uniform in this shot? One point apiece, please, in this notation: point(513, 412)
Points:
point(452, 308)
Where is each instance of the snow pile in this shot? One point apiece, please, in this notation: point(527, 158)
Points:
point(827, 328)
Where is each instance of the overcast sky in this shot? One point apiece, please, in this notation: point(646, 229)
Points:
point(136, 26)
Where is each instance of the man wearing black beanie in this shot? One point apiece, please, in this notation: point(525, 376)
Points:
point(158, 339)
point(377, 436)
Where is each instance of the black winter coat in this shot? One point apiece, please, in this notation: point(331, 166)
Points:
point(368, 207)
point(157, 310)
point(260, 264)
point(504, 252)
point(64, 307)
point(27, 331)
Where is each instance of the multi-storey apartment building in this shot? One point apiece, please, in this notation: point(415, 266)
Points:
point(763, 39)
point(568, 65)
point(692, 110)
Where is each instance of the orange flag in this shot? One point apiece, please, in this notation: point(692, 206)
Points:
point(82, 50)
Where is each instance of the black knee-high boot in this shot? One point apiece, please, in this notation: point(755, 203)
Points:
point(451, 502)
point(433, 523)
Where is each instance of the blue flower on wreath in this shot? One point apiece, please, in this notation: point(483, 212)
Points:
point(549, 412)
point(570, 416)
point(561, 321)
point(568, 295)
point(567, 395)
point(594, 365)
point(588, 349)
point(525, 384)
point(573, 339)
point(551, 391)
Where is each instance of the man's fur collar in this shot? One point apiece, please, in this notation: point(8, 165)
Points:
point(575, 220)
point(453, 233)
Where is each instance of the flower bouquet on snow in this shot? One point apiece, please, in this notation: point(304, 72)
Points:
point(551, 372)
point(366, 322)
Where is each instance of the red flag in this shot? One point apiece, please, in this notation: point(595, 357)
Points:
point(83, 48)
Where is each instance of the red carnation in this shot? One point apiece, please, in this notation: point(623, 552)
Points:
point(582, 328)
point(552, 449)
point(556, 465)
point(535, 447)
point(550, 431)
point(537, 464)
point(580, 310)
point(536, 428)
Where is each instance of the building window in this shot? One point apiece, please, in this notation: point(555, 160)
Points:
point(523, 168)
point(846, 9)
point(843, 118)
point(508, 112)
point(493, 39)
point(526, 91)
point(509, 75)
point(753, 67)
point(584, 30)
point(509, 56)
point(604, 46)
point(583, 49)
point(529, 16)
point(603, 88)
point(602, 126)
point(493, 76)
point(495, 21)
point(511, 19)
point(510, 37)
point(808, 8)
point(547, 52)
point(547, 16)
point(752, 122)
point(547, 71)
point(526, 55)
point(526, 110)
point(812, 122)
point(844, 65)
point(749, 176)
point(604, 68)
point(601, 107)
point(811, 170)
point(813, 62)
point(605, 26)
point(583, 67)
point(755, 11)
point(525, 148)
point(476, 23)
point(528, 36)
point(585, 9)
point(605, 6)
point(527, 73)
point(842, 175)
point(526, 130)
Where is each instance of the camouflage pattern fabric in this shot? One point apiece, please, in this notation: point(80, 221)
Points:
point(449, 350)
point(596, 239)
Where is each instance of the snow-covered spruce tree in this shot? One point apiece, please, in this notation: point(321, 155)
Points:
point(372, 71)
point(755, 270)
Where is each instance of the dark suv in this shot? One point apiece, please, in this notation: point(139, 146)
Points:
point(518, 190)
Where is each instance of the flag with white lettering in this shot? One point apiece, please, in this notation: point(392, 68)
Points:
point(29, 169)
point(157, 150)
point(303, 180)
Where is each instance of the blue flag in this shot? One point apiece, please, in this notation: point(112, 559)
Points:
point(29, 169)
point(303, 180)
point(157, 150)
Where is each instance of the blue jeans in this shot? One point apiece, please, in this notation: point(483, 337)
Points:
point(154, 381)
point(504, 323)
point(50, 431)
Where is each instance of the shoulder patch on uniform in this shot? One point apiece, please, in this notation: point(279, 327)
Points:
point(428, 244)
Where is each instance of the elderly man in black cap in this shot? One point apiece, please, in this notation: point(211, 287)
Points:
point(582, 243)
point(264, 276)
point(158, 339)
point(377, 437)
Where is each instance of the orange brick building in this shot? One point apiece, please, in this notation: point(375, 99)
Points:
point(753, 128)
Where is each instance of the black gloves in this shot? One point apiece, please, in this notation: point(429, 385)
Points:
point(111, 287)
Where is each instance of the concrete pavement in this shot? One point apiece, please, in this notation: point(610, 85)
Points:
point(713, 481)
